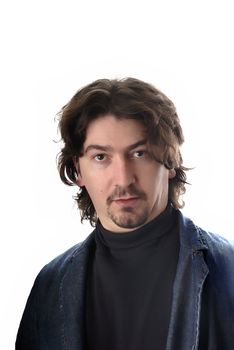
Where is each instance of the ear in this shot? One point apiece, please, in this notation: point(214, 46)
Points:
point(172, 173)
point(79, 180)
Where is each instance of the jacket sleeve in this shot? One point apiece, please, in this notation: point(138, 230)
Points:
point(27, 334)
point(42, 324)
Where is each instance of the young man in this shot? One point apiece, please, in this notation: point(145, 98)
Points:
point(147, 277)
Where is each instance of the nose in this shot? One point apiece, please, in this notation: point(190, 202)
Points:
point(123, 172)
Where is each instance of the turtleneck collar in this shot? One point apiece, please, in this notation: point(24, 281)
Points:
point(151, 231)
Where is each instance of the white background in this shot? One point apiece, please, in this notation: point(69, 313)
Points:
point(49, 49)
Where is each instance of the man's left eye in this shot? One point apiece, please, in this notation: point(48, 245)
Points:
point(139, 154)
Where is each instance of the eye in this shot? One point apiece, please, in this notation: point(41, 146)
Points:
point(139, 154)
point(100, 157)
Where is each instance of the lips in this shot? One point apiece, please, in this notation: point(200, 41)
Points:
point(126, 201)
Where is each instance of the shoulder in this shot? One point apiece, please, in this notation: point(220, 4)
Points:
point(76, 255)
point(217, 253)
point(215, 247)
point(220, 252)
point(217, 242)
point(50, 295)
point(214, 242)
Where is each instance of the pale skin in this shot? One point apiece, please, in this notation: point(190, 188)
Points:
point(127, 186)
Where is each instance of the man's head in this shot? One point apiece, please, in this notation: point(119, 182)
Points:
point(121, 146)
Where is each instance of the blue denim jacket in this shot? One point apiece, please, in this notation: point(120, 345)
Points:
point(202, 314)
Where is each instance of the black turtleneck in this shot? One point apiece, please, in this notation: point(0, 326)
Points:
point(130, 285)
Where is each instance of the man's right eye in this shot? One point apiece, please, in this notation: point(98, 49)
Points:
point(100, 157)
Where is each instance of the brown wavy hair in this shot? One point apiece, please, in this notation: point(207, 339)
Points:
point(124, 98)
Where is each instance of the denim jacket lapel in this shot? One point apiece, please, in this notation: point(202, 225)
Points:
point(72, 298)
point(191, 273)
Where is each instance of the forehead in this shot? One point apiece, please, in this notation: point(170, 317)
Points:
point(119, 133)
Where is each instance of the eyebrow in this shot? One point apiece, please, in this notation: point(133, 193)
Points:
point(108, 148)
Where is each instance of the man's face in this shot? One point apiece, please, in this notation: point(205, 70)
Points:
point(127, 186)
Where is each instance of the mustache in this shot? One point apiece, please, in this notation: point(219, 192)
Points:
point(121, 192)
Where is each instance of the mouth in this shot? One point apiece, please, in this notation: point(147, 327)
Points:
point(130, 201)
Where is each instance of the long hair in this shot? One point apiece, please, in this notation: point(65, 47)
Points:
point(124, 98)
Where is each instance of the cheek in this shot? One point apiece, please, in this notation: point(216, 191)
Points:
point(157, 175)
point(95, 188)
point(156, 180)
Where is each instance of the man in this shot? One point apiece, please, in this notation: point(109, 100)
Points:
point(147, 277)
